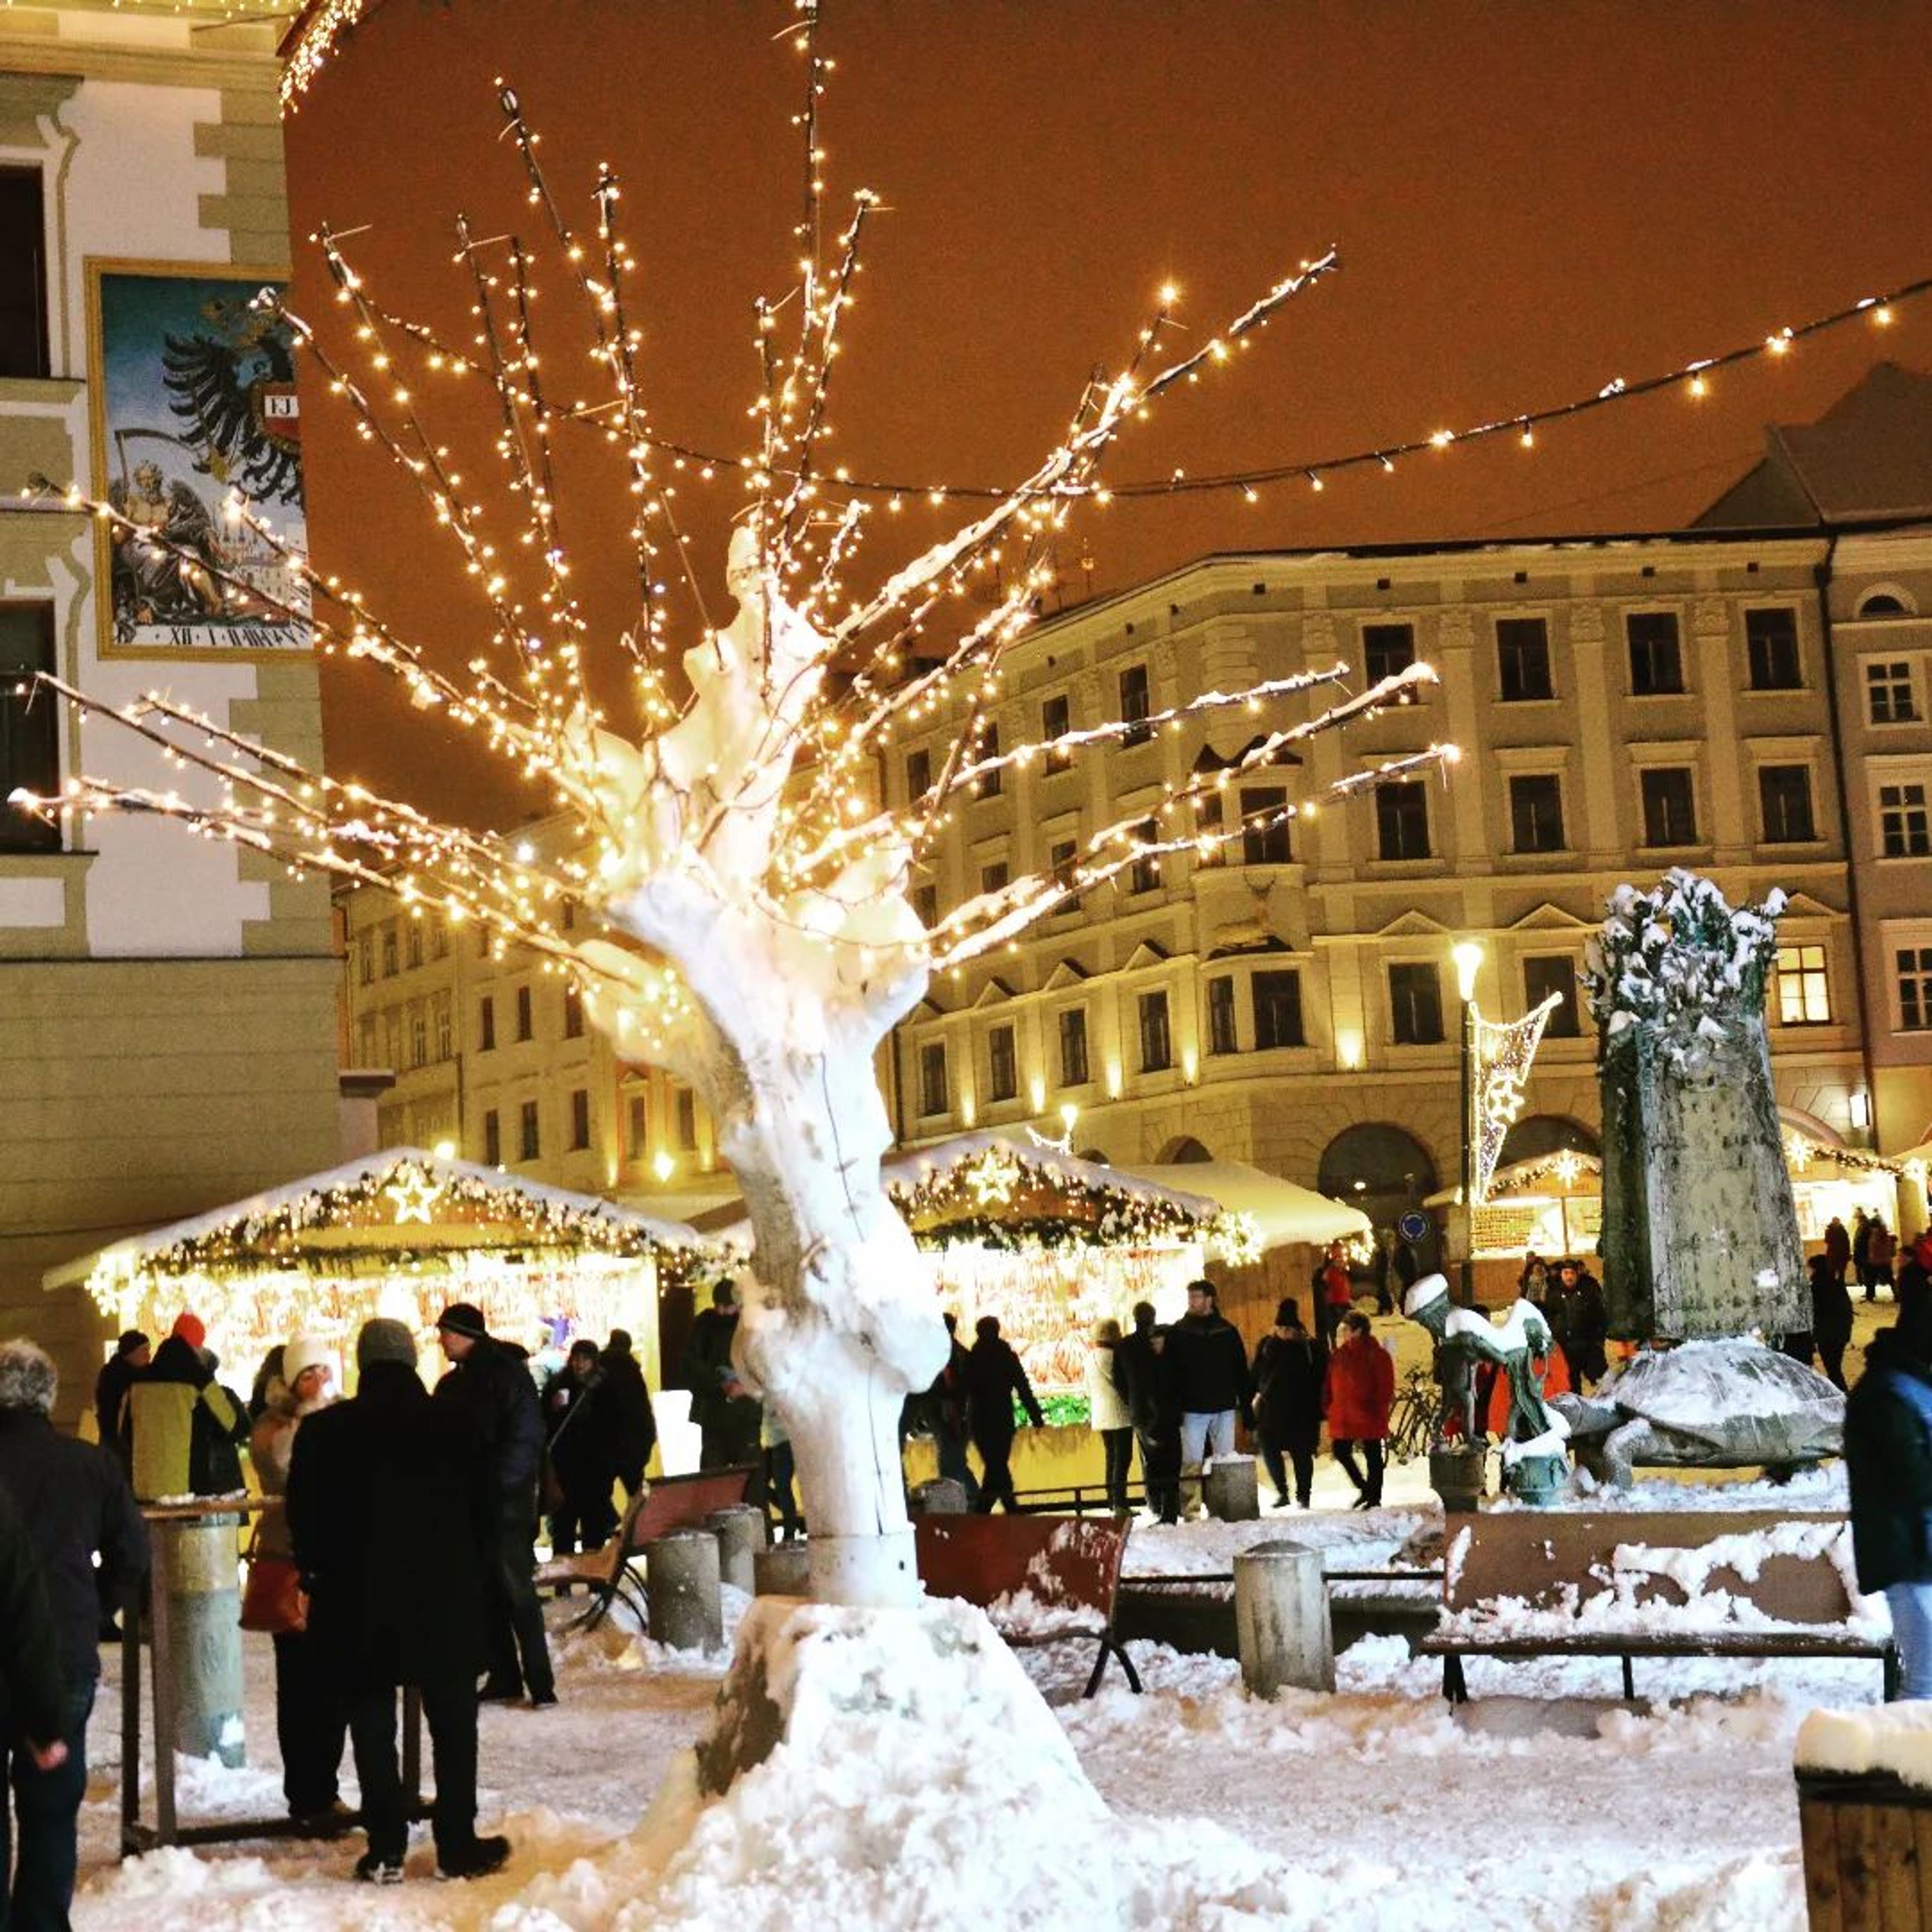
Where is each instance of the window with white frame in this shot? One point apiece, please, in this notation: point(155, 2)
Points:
point(1802, 989)
point(1913, 966)
point(1890, 696)
point(1904, 826)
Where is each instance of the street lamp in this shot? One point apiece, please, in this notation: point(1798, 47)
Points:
point(1468, 958)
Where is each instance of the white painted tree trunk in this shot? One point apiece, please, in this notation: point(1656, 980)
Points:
point(841, 1321)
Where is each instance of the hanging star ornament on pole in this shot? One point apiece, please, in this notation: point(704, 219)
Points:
point(729, 889)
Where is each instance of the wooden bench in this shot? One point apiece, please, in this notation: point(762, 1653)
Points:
point(672, 1502)
point(1040, 1579)
point(1550, 1583)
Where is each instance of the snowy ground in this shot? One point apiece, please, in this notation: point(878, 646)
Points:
point(1544, 1804)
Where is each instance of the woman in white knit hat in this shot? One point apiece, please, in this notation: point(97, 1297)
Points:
point(310, 1723)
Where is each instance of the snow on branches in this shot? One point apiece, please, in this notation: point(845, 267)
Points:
point(1682, 963)
point(738, 806)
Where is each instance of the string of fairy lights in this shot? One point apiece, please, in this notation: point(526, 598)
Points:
point(752, 779)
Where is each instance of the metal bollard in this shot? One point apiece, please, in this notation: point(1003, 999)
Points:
point(196, 1571)
point(742, 1532)
point(1229, 1490)
point(1281, 1619)
point(784, 1570)
point(681, 1587)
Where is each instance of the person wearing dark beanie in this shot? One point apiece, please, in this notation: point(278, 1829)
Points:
point(131, 1355)
point(1288, 1402)
point(399, 1574)
point(489, 1386)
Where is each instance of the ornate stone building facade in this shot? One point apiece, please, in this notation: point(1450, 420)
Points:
point(1622, 706)
point(166, 1004)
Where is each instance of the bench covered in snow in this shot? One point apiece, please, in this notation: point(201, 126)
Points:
point(1040, 1579)
point(672, 1502)
point(1664, 1583)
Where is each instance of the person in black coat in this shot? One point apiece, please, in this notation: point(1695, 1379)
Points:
point(393, 1517)
point(728, 1416)
point(132, 1354)
point(1289, 1367)
point(33, 1700)
point(1147, 1377)
point(1888, 1465)
point(73, 1500)
point(583, 1455)
point(995, 1379)
point(1830, 1318)
point(946, 1411)
point(633, 1422)
point(489, 1387)
point(1579, 1320)
point(1210, 1377)
point(32, 1707)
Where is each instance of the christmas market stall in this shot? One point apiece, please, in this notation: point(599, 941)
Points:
point(1018, 1227)
point(401, 1233)
point(1831, 1181)
point(1552, 1204)
point(1287, 1230)
point(1052, 1243)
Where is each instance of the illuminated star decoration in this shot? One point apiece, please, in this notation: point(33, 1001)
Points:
point(414, 1194)
point(992, 1179)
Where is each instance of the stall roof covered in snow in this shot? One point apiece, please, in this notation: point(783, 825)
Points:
point(1007, 1166)
point(1283, 1211)
point(417, 1197)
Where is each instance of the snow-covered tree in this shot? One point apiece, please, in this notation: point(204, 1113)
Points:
point(733, 894)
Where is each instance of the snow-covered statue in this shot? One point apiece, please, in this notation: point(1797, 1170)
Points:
point(1729, 1405)
point(1700, 1234)
point(1535, 1464)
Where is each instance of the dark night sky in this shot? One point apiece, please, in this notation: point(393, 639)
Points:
point(1531, 199)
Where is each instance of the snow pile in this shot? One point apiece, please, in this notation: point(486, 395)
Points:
point(1363, 1539)
point(1895, 1739)
point(916, 1778)
point(1621, 1599)
point(1745, 1556)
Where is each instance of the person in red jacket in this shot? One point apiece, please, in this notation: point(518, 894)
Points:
point(1357, 1395)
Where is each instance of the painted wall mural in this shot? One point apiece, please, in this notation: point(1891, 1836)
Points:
point(197, 433)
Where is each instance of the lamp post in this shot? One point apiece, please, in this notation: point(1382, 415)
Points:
point(1468, 957)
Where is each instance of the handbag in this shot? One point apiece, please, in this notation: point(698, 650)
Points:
point(273, 1603)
